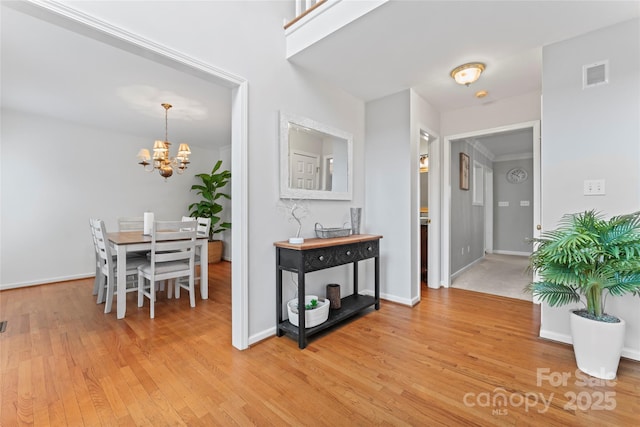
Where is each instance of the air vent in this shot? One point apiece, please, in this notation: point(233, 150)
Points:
point(595, 74)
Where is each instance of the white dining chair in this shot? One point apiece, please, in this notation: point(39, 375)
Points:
point(173, 246)
point(108, 267)
point(98, 282)
point(203, 225)
point(130, 223)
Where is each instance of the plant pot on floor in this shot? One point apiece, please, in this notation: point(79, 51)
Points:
point(215, 251)
point(597, 345)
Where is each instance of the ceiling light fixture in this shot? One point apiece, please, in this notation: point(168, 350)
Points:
point(161, 160)
point(481, 93)
point(466, 74)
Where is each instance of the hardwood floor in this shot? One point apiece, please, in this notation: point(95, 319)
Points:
point(446, 361)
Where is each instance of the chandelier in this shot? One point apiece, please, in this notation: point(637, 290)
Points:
point(161, 159)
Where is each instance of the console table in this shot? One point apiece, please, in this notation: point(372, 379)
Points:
point(319, 254)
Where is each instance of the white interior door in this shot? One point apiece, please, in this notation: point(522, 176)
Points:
point(304, 171)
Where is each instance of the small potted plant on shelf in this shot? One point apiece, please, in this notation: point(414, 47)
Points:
point(208, 207)
point(316, 311)
point(585, 259)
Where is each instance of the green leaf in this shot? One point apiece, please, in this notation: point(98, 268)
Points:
point(210, 191)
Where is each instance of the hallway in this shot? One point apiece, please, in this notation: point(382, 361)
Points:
point(503, 275)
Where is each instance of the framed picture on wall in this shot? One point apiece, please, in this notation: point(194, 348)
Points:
point(464, 171)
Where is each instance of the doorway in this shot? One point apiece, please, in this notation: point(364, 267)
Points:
point(475, 139)
point(75, 21)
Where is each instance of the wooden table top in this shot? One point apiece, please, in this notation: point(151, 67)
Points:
point(314, 243)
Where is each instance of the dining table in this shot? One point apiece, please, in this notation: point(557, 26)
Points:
point(134, 241)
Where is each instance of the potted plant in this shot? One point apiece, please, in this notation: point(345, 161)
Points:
point(586, 259)
point(316, 311)
point(208, 207)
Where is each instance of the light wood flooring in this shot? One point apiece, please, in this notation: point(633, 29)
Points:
point(457, 358)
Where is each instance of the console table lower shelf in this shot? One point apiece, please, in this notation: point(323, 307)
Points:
point(350, 306)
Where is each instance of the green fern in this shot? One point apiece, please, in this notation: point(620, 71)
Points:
point(587, 256)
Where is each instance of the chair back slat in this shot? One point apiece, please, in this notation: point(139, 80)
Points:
point(203, 224)
point(130, 223)
point(171, 242)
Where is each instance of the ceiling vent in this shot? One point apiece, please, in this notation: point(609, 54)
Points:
point(595, 74)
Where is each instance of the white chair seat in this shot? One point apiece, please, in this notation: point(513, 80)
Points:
point(169, 267)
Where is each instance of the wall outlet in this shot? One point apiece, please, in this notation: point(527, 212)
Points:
point(594, 187)
point(524, 203)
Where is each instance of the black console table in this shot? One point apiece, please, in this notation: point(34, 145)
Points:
point(318, 254)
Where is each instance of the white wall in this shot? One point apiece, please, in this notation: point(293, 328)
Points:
point(507, 111)
point(393, 126)
point(512, 230)
point(424, 117)
point(56, 175)
point(592, 134)
point(388, 189)
point(247, 39)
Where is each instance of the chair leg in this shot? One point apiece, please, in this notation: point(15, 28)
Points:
point(97, 281)
point(101, 279)
point(110, 287)
point(152, 297)
point(140, 290)
point(170, 289)
point(192, 293)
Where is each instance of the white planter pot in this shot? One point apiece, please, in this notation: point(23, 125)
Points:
point(311, 317)
point(597, 345)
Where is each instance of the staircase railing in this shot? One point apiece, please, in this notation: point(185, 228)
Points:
point(303, 8)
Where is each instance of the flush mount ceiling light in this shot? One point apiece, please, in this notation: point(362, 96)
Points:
point(466, 74)
point(162, 162)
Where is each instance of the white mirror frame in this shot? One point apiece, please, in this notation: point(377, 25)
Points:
point(287, 192)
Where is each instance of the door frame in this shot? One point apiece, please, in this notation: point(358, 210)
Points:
point(74, 20)
point(488, 210)
point(445, 230)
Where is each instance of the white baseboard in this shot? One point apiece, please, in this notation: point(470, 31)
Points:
point(511, 253)
point(267, 333)
point(392, 298)
point(17, 285)
point(466, 267)
point(629, 353)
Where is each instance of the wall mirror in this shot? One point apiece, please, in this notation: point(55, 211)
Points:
point(315, 160)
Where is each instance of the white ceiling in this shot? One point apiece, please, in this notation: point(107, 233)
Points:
point(402, 44)
point(415, 44)
point(52, 71)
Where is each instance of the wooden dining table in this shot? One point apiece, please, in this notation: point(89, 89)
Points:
point(131, 241)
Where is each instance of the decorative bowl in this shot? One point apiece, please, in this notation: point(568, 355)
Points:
point(312, 317)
